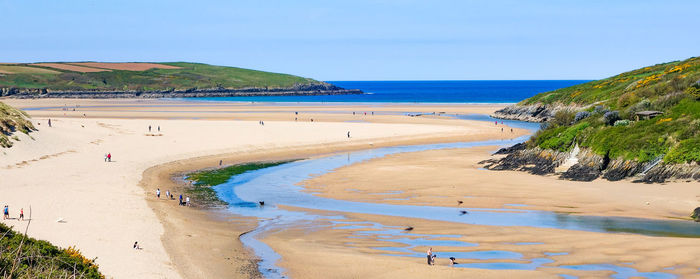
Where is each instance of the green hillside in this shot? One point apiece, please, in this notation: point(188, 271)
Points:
point(188, 76)
point(605, 118)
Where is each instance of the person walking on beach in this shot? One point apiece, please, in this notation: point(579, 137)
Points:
point(105, 157)
point(180, 199)
point(6, 213)
point(158, 128)
point(348, 134)
point(21, 214)
point(221, 162)
point(187, 201)
point(430, 256)
point(167, 194)
point(49, 122)
point(158, 193)
point(109, 157)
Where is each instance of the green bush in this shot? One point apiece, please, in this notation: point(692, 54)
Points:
point(685, 152)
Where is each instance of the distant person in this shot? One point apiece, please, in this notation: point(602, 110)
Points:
point(49, 122)
point(348, 134)
point(6, 213)
point(105, 157)
point(511, 130)
point(312, 120)
point(187, 201)
point(496, 123)
point(109, 157)
point(158, 128)
point(167, 193)
point(296, 113)
point(171, 196)
point(430, 256)
point(353, 113)
point(149, 128)
point(158, 193)
point(501, 130)
point(221, 162)
point(21, 214)
point(180, 199)
point(452, 261)
point(136, 245)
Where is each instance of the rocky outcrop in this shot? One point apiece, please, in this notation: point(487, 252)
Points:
point(298, 90)
point(532, 113)
point(590, 166)
point(696, 214)
point(535, 161)
point(529, 113)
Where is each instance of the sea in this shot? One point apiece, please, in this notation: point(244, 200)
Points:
point(444, 91)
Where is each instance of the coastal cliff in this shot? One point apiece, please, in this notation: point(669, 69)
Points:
point(642, 125)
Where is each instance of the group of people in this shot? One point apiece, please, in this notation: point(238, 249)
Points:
point(169, 195)
point(149, 128)
point(108, 157)
point(6, 213)
point(431, 258)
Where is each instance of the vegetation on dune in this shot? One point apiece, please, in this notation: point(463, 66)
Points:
point(205, 179)
point(25, 257)
point(609, 123)
point(11, 121)
point(188, 76)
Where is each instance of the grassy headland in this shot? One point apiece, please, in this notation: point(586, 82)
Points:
point(643, 122)
point(205, 179)
point(185, 76)
point(605, 118)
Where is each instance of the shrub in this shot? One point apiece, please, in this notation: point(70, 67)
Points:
point(687, 151)
point(563, 117)
point(600, 109)
point(581, 115)
point(622, 123)
point(611, 116)
point(693, 91)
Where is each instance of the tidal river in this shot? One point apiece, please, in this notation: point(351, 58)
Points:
point(279, 185)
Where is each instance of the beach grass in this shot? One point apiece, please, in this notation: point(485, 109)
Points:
point(204, 180)
point(26, 257)
point(12, 120)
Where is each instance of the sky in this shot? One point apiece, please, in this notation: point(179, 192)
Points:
point(361, 39)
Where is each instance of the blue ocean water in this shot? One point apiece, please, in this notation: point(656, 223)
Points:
point(446, 91)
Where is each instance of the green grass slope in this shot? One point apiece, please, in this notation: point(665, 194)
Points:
point(609, 125)
point(24, 257)
point(11, 121)
point(189, 76)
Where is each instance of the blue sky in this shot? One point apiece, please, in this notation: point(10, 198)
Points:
point(361, 39)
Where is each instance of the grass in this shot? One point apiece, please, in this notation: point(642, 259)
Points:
point(204, 180)
point(25, 257)
point(11, 121)
point(671, 88)
point(189, 76)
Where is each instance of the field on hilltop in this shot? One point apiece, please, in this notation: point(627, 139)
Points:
point(96, 76)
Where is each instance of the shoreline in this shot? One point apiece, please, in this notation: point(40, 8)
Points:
point(168, 174)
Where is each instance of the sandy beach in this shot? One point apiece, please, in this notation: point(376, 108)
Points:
point(103, 207)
